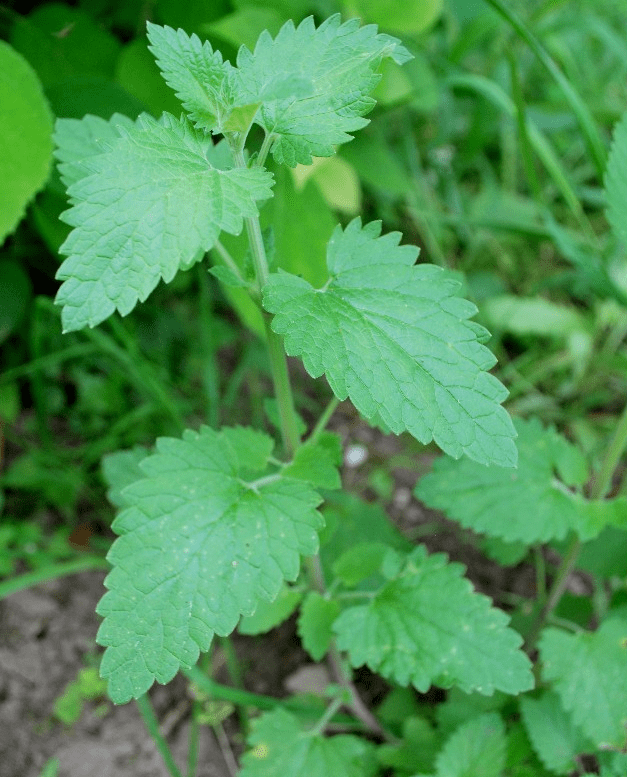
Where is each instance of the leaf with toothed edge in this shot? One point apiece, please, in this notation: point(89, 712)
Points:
point(308, 87)
point(394, 337)
point(152, 203)
point(198, 546)
point(427, 627)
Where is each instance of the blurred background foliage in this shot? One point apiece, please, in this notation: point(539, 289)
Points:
point(487, 150)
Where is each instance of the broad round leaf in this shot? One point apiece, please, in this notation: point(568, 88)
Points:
point(25, 137)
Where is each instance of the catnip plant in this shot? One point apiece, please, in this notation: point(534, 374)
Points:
point(214, 525)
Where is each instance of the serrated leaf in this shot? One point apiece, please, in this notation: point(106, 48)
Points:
point(198, 547)
point(206, 85)
point(314, 83)
point(616, 181)
point(268, 615)
point(531, 504)
point(314, 624)
point(317, 462)
point(427, 627)
point(77, 140)
point(556, 740)
point(279, 747)
point(393, 337)
point(589, 672)
point(476, 749)
point(151, 205)
point(25, 137)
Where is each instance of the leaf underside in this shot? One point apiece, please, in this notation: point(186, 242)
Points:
point(427, 627)
point(150, 204)
point(393, 337)
point(199, 546)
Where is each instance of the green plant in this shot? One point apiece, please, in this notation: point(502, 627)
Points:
point(213, 524)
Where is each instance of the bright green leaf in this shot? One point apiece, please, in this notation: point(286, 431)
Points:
point(268, 615)
point(314, 624)
point(476, 749)
point(616, 181)
point(589, 672)
point(25, 138)
point(529, 504)
point(279, 747)
point(427, 627)
point(203, 82)
point(556, 740)
point(199, 546)
point(314, 83)
point(151, 205)
point(393, 337)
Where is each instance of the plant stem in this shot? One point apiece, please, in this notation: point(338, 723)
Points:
point(244, 698)
point(336, 664)
point(278, 359)
point(600, 488)
point(265, 149)
point(150, 719)
point(228, 260)
point(324, 419)
point(192, 748)
point(603, 481)
point(324, 720)
point(282, 389)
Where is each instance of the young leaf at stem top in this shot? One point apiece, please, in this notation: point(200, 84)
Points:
point(393, 337)
point(308, 88)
